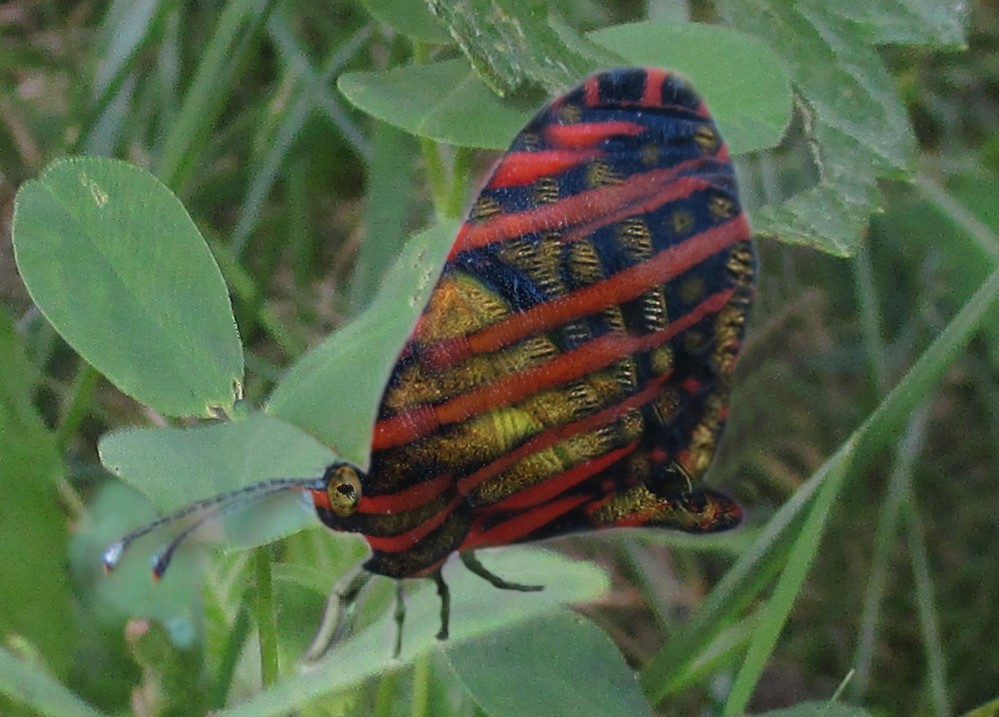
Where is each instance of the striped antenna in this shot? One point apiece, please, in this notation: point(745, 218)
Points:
point(213, 508)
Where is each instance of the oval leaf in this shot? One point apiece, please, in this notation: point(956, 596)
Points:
point(334, 391)
point(443, 101)
point(176, 466)
point(545, 658)
point(115, 263)
point(738, 75)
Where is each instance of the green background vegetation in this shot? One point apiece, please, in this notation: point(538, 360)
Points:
point(307, 142)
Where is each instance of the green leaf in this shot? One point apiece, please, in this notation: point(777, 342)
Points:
point(33, 687)
point(386, 209)
point(411, 18)
point(510, 42)
point(739, 76)
point(345, 376)
point(855, 119)
point(115, 263)
point(130, 590)
point(477, 609)
point(939, 23)
point(32, 526)
point(535, 668)
point(748, 92)
point(442, 101)
point(177, 466)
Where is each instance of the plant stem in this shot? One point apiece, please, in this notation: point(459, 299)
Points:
point(266, 621)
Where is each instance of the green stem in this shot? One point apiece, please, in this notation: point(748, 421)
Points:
point(929, 623)
point(75, 406)
point(455, 201)
point(433, 165)
point(230, 657)
point(266, 620)
point(420, 705)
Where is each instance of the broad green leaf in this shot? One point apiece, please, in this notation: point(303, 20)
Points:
point(334, 391)
point(510, 42)
point(386, 210)
point(115, 263)
point(818, 709)
point(32, 525)
point(856, 120)
point(442, 101)
point(33, 687)
point(411, 18)
point(477, 609)
point(561, 664)
point(748, 92)
point(176, 466)
point(739, 76)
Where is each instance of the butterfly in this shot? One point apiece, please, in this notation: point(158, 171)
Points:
point(572, 368)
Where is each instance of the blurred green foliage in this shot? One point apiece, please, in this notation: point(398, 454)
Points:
point(885, 565)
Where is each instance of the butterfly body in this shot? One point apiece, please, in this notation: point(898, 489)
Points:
point(572, 367)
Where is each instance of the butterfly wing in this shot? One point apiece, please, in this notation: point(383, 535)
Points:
point(579, 344)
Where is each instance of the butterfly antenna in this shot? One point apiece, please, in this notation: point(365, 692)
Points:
point(213, 508)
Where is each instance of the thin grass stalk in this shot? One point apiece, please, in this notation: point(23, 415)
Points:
point(873, 435)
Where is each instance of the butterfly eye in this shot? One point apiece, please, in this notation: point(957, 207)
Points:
point(695, 502)
point(344, 491)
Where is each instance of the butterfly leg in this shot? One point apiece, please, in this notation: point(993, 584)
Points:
point(400, 618)
point(444, 593)
point(472, 563)
point(338, 616)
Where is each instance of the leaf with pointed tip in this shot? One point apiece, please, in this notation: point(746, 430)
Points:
point(345, 376)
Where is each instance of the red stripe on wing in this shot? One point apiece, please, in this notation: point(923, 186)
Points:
point(654, 79)
point(590, 134)
point(522, 524)
point(592, 356)
point(404, 541)
point(556, 434)
point(625, 285)
point(407, 499)
point(557, 485)
point(587, 208)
